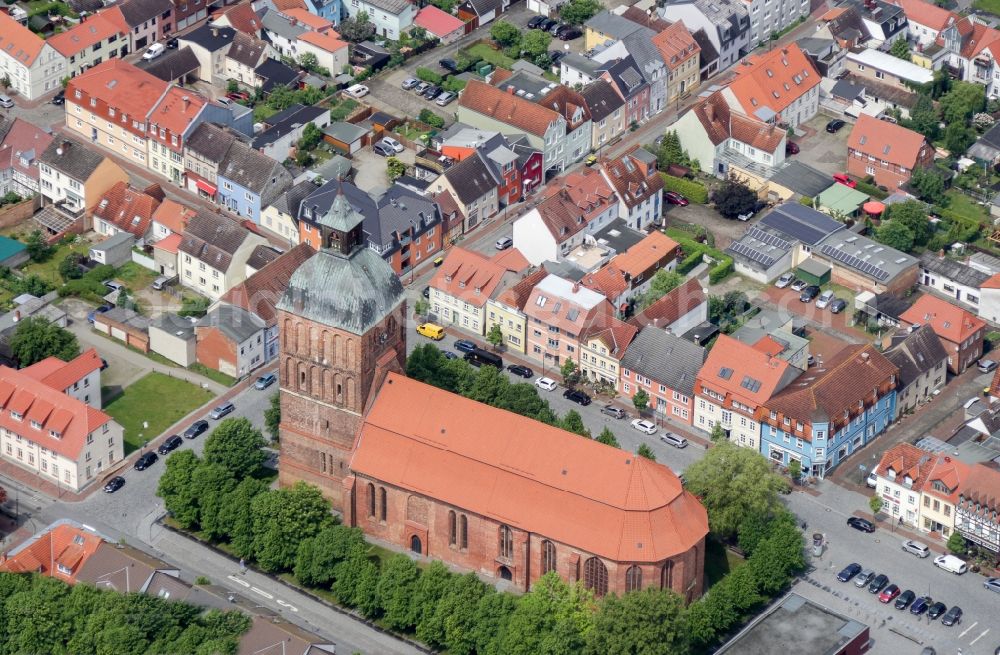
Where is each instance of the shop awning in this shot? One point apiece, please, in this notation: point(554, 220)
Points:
point(210, 189)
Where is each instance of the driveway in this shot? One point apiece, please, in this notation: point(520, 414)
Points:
point(371, 170)
point(822, 150)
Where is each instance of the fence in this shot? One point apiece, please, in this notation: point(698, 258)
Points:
point(144, 261)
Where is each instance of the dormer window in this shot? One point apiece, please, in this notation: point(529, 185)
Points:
point(14, 415)
point(65, 570)
point(891, 474)
point(54, 434)
point(36, 425)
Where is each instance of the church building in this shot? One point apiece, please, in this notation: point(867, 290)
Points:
point(450, 478)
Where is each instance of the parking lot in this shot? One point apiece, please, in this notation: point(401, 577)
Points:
point(822, 150)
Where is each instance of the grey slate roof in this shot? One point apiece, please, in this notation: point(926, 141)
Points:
point(213, 239)
point(578, 62)
point(235, 322)
point(351, 292)
point(274, 73)
point(987, 147)
point(176, 325)
point(261, 256)
point(394, 7)
point(601, 100)
point(916, 353)
point(665, 358)
point(211, 38)
point(472, 178)
point(847, 90)
point(172, 64)
point(71, 157)
point(640, 45)
point(708, 52)
point(286, 124)
point(210, 142)
point(952, 270)
point(272, 21)
point(802, 178)
point(801, 223)
point(137, 12)
point(482, 7)
point(254, 171)
point(288, 201)
point(344, 132)
point(246, 50)
point(400, 209)
point(612, 25)
point(319, 201)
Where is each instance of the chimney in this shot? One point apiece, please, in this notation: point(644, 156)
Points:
point(710, 111)
point(17, 315)
point(510, 90)
point(865, 356)
point(215, 31)
point(576, 287)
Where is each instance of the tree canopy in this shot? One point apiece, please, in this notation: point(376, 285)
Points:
point(577, 12)
point(236, 445)
point(663, 282)
point(895, 235)
point(36, 338)
point(733, 197)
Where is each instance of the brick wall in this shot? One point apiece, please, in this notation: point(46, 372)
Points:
point(11, 215)
point(216, 351)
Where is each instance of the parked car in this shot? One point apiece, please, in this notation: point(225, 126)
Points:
point(992, 584)
point(834, 126)
point(172, 443)
point(383, 150)
point(838, 305)
point(237, 96)
point(445, 98)
point(872, 480)
point(264, 381)
point(916, 548)
point(809, 293)
point(613, 412)
point(114, 484)
point(849, 572)
point(986, 365)
point(145, 461)
point(759, 205)
point(784, 280)
point(449, 65)
point(163, 281)
point(556, 27)
point(409, 83)
point(222, 410)
point(100, 310)
point(799, 285)
point(196, 428)
point(904, 599)
point(675, 198)
point(547, 24)
point(577, 396)
point(951, 564)
point(392, 143)
point(420, 88)
point(861, 524)
point(503, 243)
point(548, 384)
point(448, 354)
point(864, 578)
point(888, 594)
point(464, 345)
point(878, 583)
point(5, 101)
point(674, 440)
point(432, 91)
point(642, 425)
point(824, 299)
point(113, 285)
point(569, 33)
point(791, 148)
point(357, 91)
point(154, 51)
point(536, 22)
point(936, 610)
point(59, 98)
point(521, 371)
point(920, 605)
point(172, 44)
point(953, 616)
point(555, 56)
point(842, 178)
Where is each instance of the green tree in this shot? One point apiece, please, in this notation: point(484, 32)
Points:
point(236, 445)
point(394, 168)
point(356, 28)
point(956, 543)
point(778, 556)
point(901, 50)
point(895, 235)
point(555, 618)
point(69, 267)
point(505, 34)
point(430, 590)
point(646, 622)
point(875, 505)
point(308, 61)
point(491, 620)
point(961, 102)
point(318, 556)
point(211, 483)
point(924, 117)
point(430, 118)
point(495, 336)
point(421, 307)
point(5, 82)
point(733, 197)
point(232, 86)
point(235, 515)
point(578, 12)
point(958, 137)
point(176, 490)
point(663, 282)
point(732, 483)
point(427, 364)
point(795, 470)
point(645, 451)
point(272, 417)
point(535, 43)
point(928, 184)
point(282, 518)
point(573, 422)
point(396, 587)
point(38, 248)
point(36, 338)
point(570, 372)
point(195, 306)
point(670, 151)
point(640, 399)
point(607, 437)
point(355, 582)
point(718, 433)
point(912, 214)
point(311, 135)
point(453, 624)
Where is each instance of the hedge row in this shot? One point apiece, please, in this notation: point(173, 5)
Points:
point(872, 190)
point(721, 271)
point(694, 252)
point(693, 191)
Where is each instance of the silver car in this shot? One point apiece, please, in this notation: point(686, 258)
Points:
point(784, 280)
point(864, 578)
point(444, 98)
point(824, 299)
point(409, 83)
point(674, 440)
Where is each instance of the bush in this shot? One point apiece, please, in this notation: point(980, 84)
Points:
point(721, 271)
point(430, 118)
point(806, 200)
point(872, 190)
point(454, 84)
point(691, 260)
point(693, 191)
point(427, 75)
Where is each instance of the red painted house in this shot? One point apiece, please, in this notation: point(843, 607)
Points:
point(886, 151)
point(516, 163)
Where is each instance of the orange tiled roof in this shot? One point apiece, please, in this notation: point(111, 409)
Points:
point(992, 283)
point(672, 306)
point(738, 371)
point(517, 295)
point(170, 243)
point(243, 18)
point(526, 474)
point(676, 45)
point(176, 111)
point(982, 485)
point(126, 208)
point(644, 255)
point(511, 260)
point(64, 544)
point(887, 141)
point(326, 41)
point(507, 108)
point(906, 460)
point(468, 275)
point(616, 334)
point(173, 215)
point(948, 471)
point(632, 179)
point(926, 13)
point(81, 36)
point(122, 86)
point(260, 293)
point(61, 375)
point(720, 123)
point(949, 322)
point(570, 306)
point(775, 79)
point(609, 281)
point(18, 42)
point(308, 19)
point(571, 205)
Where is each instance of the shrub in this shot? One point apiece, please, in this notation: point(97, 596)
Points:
point(721, 271)
point(430, 118)
point(806, 200)
point(427, 75)
point(693, 191)
point(691, 260)
point(872, 190)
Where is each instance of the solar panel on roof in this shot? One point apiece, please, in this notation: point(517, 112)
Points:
point(768, 238)
point(752, 253)
point(855, 263)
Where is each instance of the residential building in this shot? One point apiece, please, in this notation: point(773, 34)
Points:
point(559, 313)
point(54, 435)
point(637, 184)
point(987, 147)
point(627, 275)
point(516, 164)
point(249, 180)
point(582, 205)
point(460, 288)
point(887, 151)
point(939, 495)
point(882, 68)
point(281, 216)
point(33, 66)
point(607, 113)
point(736, 380)
point(57, 552)
point(73, 176)
point(961, 332)
point(922, 362)
point(601, 350)
point(283, 130)
point(977, 506)
point(258, 295)
point(95, 39)
point(973, 48)
point(187, 13)
point(242, 18)
point(768, 18)
point(390, 17)
point(883, 22)
point(330, 51)
point(678, 311)
point(79, 378)
point(283, 31)
point(726, 23)
point(473, 183)
point(477, 13)
point(989, 300)
point(242, 58)
point(680, 53)
point(213, 254)
point(21, 145)
point(780, 87)
point(926, 20)
point(204, 151)
point(624, 76)
point(952, 278)
point(440, 24)
point(831, 412)
point(173, 119)
point(125, 209)
point(407, 230)
point(901, 474)
point(144, 21)
point(210, 45)
point(230, 340)
point(507, 311)
point(664, 366)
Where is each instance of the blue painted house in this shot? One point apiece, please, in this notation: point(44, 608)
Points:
point(249, 180)
point(830, 411)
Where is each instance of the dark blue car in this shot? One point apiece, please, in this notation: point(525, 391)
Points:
point(920, 605)
point(465, 345)
point(849, 572)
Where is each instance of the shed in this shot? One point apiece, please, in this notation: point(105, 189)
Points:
point(841, 200)
point(173, 337)
point(113, 251)
point(12, 253)
point(813, 271)
point(346, 138)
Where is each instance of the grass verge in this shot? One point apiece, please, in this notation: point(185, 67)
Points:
point(157, 399)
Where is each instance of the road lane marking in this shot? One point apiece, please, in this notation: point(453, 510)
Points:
point(979, 637)
point(262, 593)
point(238, 581)
point(284, 604)
point(967, 629)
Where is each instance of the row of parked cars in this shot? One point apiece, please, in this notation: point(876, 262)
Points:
point(809, 292)
point(562, 31)
point(429, 91)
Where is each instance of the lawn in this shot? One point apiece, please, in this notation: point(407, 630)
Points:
point(49, 269)
point(135, 277)
point(212, 374)
point(341, 110)
point(719, 560)
point(989, 6)
point(489, 55)
point(963, 205)
point(158, 399)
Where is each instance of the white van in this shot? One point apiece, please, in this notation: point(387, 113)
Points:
point(154, 51)
point(951, 563)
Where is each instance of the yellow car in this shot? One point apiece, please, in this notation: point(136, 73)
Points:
point(431, 331)
point(590, 160)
